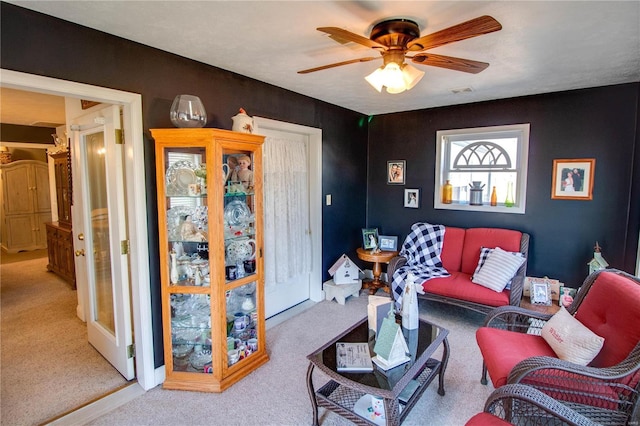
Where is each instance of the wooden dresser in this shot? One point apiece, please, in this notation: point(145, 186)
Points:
point(59, 234)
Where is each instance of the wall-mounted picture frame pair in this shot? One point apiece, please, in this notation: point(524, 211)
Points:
point(573, 179)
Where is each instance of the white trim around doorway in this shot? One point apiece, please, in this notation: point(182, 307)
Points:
point(146, 375)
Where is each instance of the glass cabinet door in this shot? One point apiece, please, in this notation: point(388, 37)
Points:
point(240, 255)
point(187, 222)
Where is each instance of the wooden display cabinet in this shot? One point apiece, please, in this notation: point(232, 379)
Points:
point(60, 234)
point(211, 256)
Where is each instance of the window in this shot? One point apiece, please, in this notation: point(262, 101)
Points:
point(494, 156)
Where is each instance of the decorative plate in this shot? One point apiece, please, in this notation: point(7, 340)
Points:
point(236, 213)
point(179, 176)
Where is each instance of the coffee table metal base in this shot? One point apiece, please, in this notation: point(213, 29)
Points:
point(342, 397)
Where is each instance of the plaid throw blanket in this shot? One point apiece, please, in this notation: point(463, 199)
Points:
point(422, 248)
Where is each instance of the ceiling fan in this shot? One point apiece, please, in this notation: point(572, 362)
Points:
point(397, 39)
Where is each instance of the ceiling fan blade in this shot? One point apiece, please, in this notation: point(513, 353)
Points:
point(474, 27)
point(449, 62)
point(337, 64)
point(348, 35)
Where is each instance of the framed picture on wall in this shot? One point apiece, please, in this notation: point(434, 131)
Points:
point(412, 198)
point(573, 179)
point(396, 170)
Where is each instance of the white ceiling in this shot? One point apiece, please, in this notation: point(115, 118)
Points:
point(544, 46)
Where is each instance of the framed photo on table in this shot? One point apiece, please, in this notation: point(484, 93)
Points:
point(396, 170)
point(541, 294)
point(370, 238)
point(388, 243)
point(573, 179)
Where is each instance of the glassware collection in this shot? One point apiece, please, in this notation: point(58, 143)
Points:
point(210, 244)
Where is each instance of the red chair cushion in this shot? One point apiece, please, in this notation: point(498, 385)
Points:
point(611, 309)
point(503, 349)
point(459, 286)
point(452, 244)
point(476, 238)
point(486, 419)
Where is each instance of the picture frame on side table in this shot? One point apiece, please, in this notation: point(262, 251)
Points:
point(396, 170)
point(388, 243)
point(412, 198)
point(573, 179)
point(541, 294)
point(370, 238)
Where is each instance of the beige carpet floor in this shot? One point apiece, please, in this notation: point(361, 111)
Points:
point(276, 393)
point(47, 365)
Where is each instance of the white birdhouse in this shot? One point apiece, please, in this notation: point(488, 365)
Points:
point(598, 261)
point(344, 271)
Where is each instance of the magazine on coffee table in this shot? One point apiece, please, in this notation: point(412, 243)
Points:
point(353, 357)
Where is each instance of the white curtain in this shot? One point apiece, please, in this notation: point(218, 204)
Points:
point(286, 207)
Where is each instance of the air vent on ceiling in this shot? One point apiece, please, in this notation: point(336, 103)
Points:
point(462, 90)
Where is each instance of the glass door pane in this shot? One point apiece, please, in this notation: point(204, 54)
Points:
point(99, 254)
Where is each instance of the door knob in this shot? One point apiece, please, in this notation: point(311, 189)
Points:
point(80, 252)
point(81, 237)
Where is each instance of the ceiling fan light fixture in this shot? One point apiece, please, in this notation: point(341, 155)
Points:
point(376, 79)
point(395, 78)
point(411, 75)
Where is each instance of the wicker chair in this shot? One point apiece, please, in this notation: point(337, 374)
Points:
point(523, 405)
point(608, 303)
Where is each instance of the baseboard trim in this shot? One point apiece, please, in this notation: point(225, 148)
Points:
point(96, 408)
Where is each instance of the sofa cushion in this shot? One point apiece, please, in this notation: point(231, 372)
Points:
point(571, 340)
point(500, 267)
point(459, 286)
point(611, 310)
point(452, 248)
point(484, 254)
point(503, 349)
point(476, 238)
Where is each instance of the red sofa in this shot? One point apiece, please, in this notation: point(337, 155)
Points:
point(460, 256)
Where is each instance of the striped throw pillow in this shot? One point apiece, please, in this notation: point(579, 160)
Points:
point(499, 268)
point(484, 253)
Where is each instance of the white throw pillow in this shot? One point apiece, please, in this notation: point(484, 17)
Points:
point(570, 339)
point(499, 268)
point(484, 253)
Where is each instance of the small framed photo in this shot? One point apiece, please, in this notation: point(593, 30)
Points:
point(369, 238)
point(388, 243)
point(573, 179)
point(412, 198)
point(395, 172)
point(541, 294)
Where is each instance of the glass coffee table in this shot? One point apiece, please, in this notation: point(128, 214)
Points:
point(348, 394)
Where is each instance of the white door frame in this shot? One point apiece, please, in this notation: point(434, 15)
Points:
point(146, 375)
point(315, 194)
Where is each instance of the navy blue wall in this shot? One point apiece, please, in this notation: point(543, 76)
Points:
point(39, 44)
point(598, 123)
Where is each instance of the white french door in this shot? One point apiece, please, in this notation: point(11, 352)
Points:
point(100, 235)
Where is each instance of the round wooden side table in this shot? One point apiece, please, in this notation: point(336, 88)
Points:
point(377, 259)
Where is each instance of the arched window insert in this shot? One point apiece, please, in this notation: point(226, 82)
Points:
point(495, 156)
point(482, 155)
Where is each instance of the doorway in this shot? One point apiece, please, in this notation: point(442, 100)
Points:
point(304, 141)
point(146, 375)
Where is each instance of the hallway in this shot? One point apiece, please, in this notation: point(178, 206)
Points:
point(48, 368)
